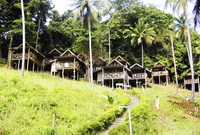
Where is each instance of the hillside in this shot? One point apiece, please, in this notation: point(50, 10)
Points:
point(175, 116)
point(28, 105)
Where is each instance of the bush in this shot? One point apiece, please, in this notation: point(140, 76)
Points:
point(91, 128)
point(105, 119)
point(102, 122)
point(120, 130)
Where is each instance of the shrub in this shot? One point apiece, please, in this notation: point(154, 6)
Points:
point(91, 128)
point(120, 130)
point(105, 119)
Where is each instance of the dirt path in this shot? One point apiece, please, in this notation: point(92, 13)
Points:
point(120, 120)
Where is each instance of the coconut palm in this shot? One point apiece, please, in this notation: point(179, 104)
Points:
point(180, 28)
point(196, 11)
point(178, 5)
point(86, 11)
point(142, 33)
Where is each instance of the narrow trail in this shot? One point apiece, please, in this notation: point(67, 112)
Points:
point(120, 120)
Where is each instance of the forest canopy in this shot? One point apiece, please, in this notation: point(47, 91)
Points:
point(130, 25)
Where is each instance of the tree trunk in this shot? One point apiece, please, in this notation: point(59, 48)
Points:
point(142, 54)
point(23, 38)
point(191, 66)
point(90, 47)
point(9, 52)
point(109, 44)
point(174, 60)
point(37, 36)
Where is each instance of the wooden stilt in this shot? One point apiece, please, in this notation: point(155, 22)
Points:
point(103, 77)
point(77, 76)
point(152, 78)
point(159, 78)
point(63, 73)
point(33, 68)
point(18, 64)
point(112, 83)
point(124, 77)
point(136, 83)
point(145, 81)
point(167, 80)
point(28, 59)
point(74, 71)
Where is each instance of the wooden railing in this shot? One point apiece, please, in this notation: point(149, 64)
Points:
point(139, 76)
point(158, 73)
point(64, 65)
point(113, 75)
point(18, 56)
point(190, 81)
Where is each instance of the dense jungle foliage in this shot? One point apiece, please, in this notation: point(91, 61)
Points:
point(124, 21)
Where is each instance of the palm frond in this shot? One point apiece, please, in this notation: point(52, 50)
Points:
point(196, 12)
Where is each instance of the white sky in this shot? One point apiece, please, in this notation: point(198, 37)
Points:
point(64, 5)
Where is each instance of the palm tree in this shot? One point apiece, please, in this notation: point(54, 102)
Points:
point(142, 33)
point(23, 38)
point(178, 5)
point(86, 11)
point(180, 28)
point(196, 11)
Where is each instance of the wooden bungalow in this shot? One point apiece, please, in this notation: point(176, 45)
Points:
point(50, 58)
point(160, 74)
point(139, 76)
point(187, 81)
point(116, 73)
point(82, 57)
point(98, 65)
point(68, 65)
point(34, 60)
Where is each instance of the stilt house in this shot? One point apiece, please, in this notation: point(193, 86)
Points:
point(34, 60)
point(116, 72)
point(50, 58)
point(68, 65)
point(187, 81)
point(98, 65)
point(139, 76)
point(160, 74)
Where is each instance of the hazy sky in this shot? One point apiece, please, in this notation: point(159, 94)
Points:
point(63, 5)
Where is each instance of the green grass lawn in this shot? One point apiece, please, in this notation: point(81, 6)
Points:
point(27, 105)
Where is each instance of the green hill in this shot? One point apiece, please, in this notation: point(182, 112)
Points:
point(175, 115)
point(28, 105)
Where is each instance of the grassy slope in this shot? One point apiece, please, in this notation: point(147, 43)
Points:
point(27, 104)
point(172, 119)
point(169, 119)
